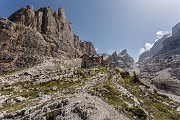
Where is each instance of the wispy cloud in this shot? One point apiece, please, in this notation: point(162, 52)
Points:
point(160, 34)
point(97, 49)
point(148, 46)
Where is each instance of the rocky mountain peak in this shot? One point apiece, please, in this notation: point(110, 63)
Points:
point(30, 36)
point(61, 14)
point(124, 52)
point(25, 16)
point(30, 7)
point(125, 56)
point(45, 20)
point(114, 53)
point(122, 61)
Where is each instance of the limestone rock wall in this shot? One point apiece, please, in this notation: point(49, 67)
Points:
point(28, 37)
point(87, 48)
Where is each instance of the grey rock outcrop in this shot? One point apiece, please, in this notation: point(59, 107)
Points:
point(162, 70)
point(28, 37)
point(20, 99)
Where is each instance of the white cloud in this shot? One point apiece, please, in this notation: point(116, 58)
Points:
point(148, 46)
point(97, 49)
point(111, 51)
point(160, 34)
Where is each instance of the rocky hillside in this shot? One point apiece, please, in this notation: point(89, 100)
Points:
point(162, 70)
point(53, 91)
point(28, 37)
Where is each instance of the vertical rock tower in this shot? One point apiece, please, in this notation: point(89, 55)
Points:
point(28, 37)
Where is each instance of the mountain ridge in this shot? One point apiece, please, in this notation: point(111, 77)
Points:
point(161, 69)
point(29, 37)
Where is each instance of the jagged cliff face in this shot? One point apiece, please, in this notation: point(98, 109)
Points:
point(122, 60)
point(125, 60)
point(87, 48)
point(45, 20)
point(28, 37)
point(158, 45)
point(162, 70)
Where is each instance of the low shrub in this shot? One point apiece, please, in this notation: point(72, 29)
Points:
point(125, 74)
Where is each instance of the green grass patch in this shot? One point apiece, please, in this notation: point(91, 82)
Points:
point(7, 91)
point(12, 108)
point(107, 90)
point(161, 111)
point(107, 118)
point(2, 74)
point(153, 102)
point(138, 112)
point(29, 90)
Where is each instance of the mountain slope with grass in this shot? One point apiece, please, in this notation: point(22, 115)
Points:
point(69, 92)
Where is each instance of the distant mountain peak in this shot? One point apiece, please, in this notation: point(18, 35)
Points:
point(124, 51)
point(160, 66)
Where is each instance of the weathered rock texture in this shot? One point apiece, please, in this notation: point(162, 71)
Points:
point(27, 37)
point(162, 70)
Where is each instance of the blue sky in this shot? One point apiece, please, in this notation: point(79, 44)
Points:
point(112, 25)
